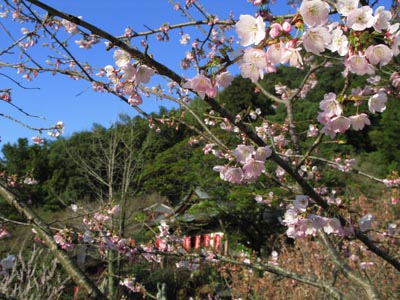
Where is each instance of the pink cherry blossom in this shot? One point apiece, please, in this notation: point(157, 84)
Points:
point(121, 57)
point(340, 124)
point(286, 27)
point(262, 153)
point(330, 105)
point(38, 140)
point(224, 79)
point(360, 18)
point(69, 27)
point(358, 64)
point(379, 54)
point(332, 225)
point(275, 53)
point(316, 39)
point(200, 84)
point(253, 64)
point(128, 72)
point(275, 30)
point(344, 7)
point(252, 169)
point(243, 153)
point(314, 12)
point(359, 121)
point(377, 103)
point(339, 42)
point(250, 30)
point(292, 54)
point(143, 74)
point(135, 99)
point(233, 175)
point(301, 203)
point(381, 19)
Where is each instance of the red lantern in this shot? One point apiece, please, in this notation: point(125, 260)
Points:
point(217, 242)
point(206, 240)
point(186, 243)
point(197, 242)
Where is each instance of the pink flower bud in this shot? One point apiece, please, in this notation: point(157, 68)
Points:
point(286, 27)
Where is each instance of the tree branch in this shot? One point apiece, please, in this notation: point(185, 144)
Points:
point(44, 233)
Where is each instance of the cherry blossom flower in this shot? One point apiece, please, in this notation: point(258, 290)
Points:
point(340, 124)
point(224, 79)
point(377, 103)
point(316, 39)
point(200, 84)
point(143, 74)
point(275, 53)
point(339, 42)
point(286, 27)
point(395, 46)
point(312, 130)
point(359, 121)
point(252, 169)
point(344, 7)
point(253, 64)
point(330, 105)
point(314, 12)
point(275, 30)
point(301, 203)
point(121, 57)
point(69, 26)
point(379, 54)
point(233, 175)
point(243, 153)
point(262, 153)
point(332, 225)
point(38, 140)
point(381, 19)
point(184, 39)
point(128, 73)
point(358, 64)
point(111, 74)
point(360, 18)
point(250, 30)
point(135, 99)
point(292, 54)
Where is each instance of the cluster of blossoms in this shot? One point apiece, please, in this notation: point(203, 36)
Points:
point(65, 239)
point(343, 38)
point(365, 39)
point(5, 95)
point(203, 86)
point(54, 132)
point(344, 166)
point(335, 122)
point(252, 164)
point(127, 77)
point(301, 224)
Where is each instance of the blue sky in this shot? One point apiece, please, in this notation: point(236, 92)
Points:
point(73, 102)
